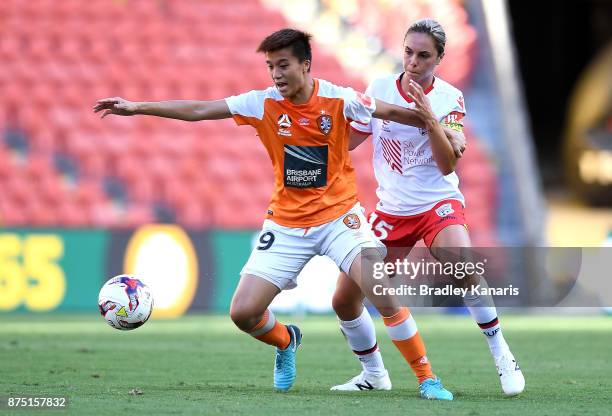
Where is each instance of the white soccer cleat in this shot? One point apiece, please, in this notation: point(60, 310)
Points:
point(510, 375)
point(365, 382)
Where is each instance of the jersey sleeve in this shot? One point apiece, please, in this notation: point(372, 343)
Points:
point(247, 108)
point(360, 126)
point(357, 106)
point(454, 119)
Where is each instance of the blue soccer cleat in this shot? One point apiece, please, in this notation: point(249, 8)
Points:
point(284, 365)
point(432, 389)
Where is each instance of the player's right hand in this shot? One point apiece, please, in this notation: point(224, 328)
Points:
point(115, 105)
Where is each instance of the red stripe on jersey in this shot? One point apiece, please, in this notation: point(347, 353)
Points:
point(392, 149)
point(391, 154)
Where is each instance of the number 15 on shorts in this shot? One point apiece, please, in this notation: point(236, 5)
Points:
point(380, 228)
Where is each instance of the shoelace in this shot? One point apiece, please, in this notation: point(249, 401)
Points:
point(427, 384)
point(506, 364)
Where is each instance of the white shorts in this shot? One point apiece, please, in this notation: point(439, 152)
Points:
point(282, 252)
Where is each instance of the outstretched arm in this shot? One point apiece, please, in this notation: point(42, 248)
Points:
point(398, 114)
point(177, 109)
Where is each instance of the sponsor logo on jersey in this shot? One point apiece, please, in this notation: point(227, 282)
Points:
point(304, 121)
point(444, 210)
point(352, 221)
point(305, 166)
point(392, 153)
point(325, 123)
point(385, 126)
point(284, 123)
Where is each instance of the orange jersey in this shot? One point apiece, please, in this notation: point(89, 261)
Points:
point(308, 146)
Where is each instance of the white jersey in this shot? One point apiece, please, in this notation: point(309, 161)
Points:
point(409, 181)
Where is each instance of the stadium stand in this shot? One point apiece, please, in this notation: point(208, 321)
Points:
point(60, 165)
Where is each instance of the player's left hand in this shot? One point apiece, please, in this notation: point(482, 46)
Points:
point(457, 141)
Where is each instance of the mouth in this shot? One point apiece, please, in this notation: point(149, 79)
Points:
point(281, 86)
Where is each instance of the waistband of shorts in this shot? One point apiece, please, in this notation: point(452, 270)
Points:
point(416, 214)
point(356, 206)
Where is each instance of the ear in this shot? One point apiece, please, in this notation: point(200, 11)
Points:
point(306, 65)
point(439, 58)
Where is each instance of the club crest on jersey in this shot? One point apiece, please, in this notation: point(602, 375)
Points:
point(352, 221)
point(284, 123)
point(444, 210)
point(325, 123)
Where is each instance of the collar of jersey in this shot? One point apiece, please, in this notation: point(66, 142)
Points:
point(315, 91)
point(398, 82)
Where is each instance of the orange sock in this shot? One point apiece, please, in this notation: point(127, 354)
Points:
point(403, 331)
point(270, 331)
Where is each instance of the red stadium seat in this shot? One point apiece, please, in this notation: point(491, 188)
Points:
point(58, 57)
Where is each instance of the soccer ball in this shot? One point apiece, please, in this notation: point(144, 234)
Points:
point(125, 302)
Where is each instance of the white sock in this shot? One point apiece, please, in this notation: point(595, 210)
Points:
point(484, 313)
point(361, 336)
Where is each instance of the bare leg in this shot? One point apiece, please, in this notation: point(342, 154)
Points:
point(250, 313)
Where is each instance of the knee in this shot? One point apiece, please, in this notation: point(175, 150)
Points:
point(243, 316)
point(371, 256)
point(346, 307)
point(472, 281)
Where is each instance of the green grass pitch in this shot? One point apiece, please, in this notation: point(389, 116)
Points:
point(203, 365)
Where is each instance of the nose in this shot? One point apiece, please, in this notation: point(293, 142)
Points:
point(275, 73)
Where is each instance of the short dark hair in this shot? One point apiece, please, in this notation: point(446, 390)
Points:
point(296, 39)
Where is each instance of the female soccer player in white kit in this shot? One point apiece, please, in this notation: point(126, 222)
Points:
point(419, 198)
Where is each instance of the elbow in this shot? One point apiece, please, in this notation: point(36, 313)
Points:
point(196, 116)
point(448, 168)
